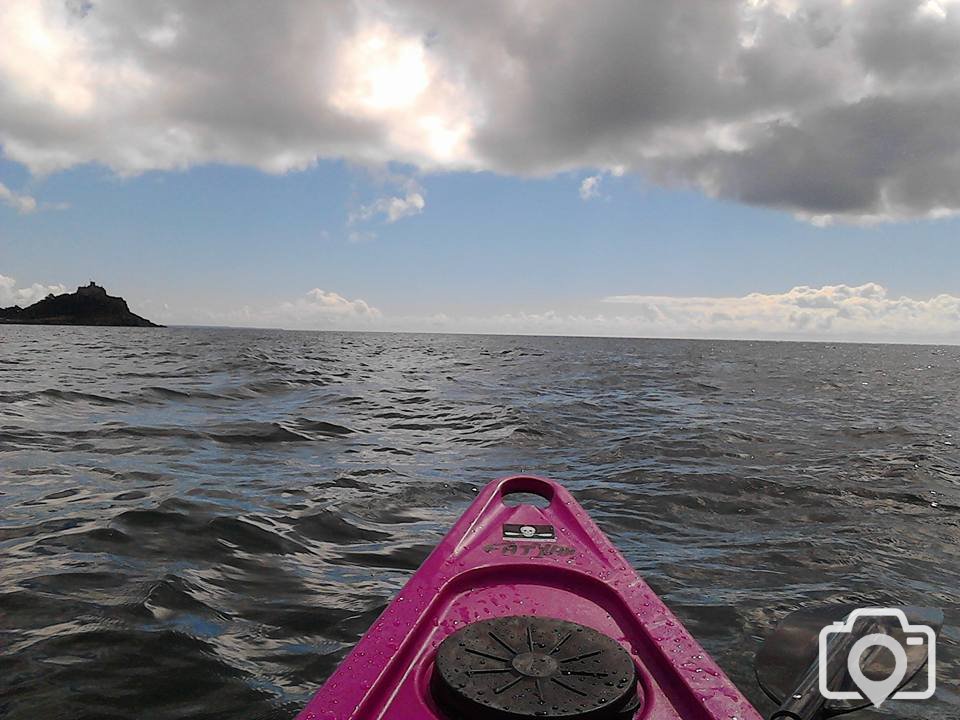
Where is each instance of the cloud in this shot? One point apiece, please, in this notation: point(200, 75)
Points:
point(862, 313)
point(174, 84)
point(865, 313)
point(315, 310)
point(23, 204)
point(10, 294)
point(323, 304)
point(361, 236)
point(833, 311)
point(27, 204)
point(590, 187)
point(392, 208)
point(835, 111)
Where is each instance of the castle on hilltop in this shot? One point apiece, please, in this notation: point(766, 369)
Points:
point(92, 290)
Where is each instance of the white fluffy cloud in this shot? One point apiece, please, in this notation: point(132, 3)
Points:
point(392, 208)
point(10, 294)
point(23, 204)
point(590, 187)
point(829, 109)
point(315, 310)
point(832, 311)
point(865, 313)
point(322, 304)
point(405, 199)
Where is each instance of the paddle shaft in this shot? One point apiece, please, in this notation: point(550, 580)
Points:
point(806, 702)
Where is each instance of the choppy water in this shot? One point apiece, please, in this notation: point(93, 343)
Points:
point(200, 523)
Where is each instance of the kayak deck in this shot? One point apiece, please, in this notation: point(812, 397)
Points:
point(503, 560)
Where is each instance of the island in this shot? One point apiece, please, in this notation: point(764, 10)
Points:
point(89, 305)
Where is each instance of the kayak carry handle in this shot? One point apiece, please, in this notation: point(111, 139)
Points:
point(526, 484)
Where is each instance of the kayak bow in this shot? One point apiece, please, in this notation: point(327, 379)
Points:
point(527, 612)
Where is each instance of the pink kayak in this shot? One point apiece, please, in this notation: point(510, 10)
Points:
point(527, 612)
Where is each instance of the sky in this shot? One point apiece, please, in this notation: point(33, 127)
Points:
point(712, 168)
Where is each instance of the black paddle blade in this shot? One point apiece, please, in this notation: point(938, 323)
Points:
point(788, 655)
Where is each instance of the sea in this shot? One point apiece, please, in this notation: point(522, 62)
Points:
point(200, 523)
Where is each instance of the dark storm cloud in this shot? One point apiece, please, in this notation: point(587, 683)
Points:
point(827, 109)
point(878, 157)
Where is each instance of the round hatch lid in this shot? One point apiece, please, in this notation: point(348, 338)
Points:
point(521, 666)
